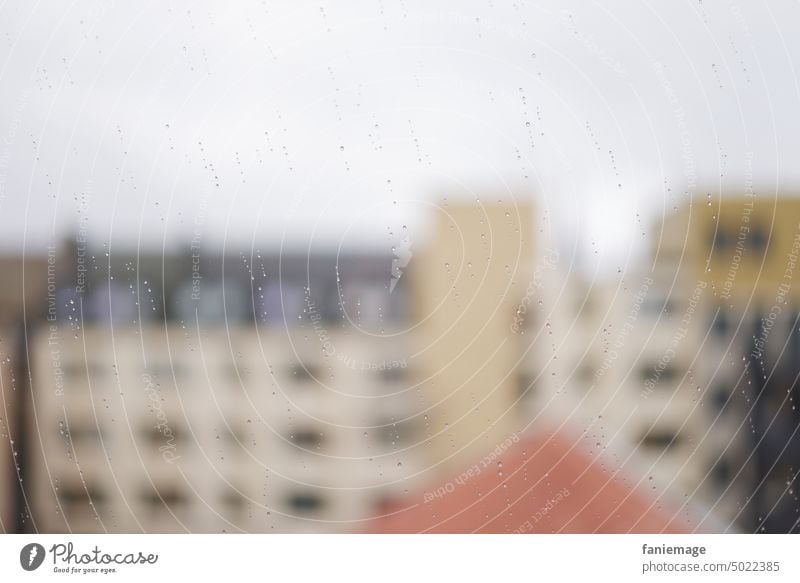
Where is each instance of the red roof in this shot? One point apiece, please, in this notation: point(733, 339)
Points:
point(538, 484)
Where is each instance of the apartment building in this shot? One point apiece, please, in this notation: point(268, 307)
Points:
point(745, 248)
point(240, 395)
point(687, 370)
point(469, 285)
point(310, 393)
point(23, 287)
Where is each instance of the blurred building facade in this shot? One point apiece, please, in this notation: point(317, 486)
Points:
point(237, 394)
point(260, 393)
point(687, 370)
point(312, 393)
point(740, 257)
point(468, 286)
point(24, 286)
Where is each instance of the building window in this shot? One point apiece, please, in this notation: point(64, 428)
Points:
point(75, 371)
point(308, 439)
point(720, 241)
point(758, 241)
point(660, 440)
point(719, 399)
point(76, 495)
point(720, 324)
point(526, 385)
point(162, 498)
point(79, 501)
point(655, 372)
point(585, 373)
point(233, 503)
point(79, 434)
point(393, 374)
point(304, 372)
point(160, 436)
point(305, 503)
point(721, 472)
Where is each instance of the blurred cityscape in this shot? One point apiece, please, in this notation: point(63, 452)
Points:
point(469, 380)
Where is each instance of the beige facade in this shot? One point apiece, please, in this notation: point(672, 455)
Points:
point(610, 368)
point(744, 250)
point(248, 429)
point(655, 366)
point(310, 428)
point(468, 287)
point(22, 295)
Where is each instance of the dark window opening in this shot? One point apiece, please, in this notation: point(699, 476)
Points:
point(661, 440)
point(720, 324)
point(394, 374)
point(75, 371)
point(585, 373)
point(74, 496)
point(305, 503)
point(720, 241)
point(722, 472)
point(169, 497)
point(304, 372)
point(79, 434)
point(526, 385)
point(758, 241)
point(308, 439)
point(719, 399)
point(233, 502)
point(81, 503)
point(161, 435)
point(662, 374)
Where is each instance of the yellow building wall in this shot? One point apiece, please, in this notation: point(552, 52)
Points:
point(747, 248)
point(469, 282)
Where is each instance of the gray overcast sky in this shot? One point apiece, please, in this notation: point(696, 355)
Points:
point(341, 122)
